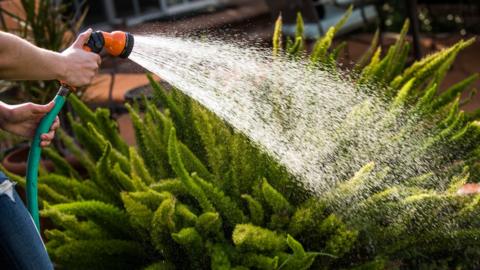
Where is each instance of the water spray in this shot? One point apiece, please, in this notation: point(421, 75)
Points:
point(117, 43)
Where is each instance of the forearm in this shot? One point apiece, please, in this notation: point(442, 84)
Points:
point(21, 60)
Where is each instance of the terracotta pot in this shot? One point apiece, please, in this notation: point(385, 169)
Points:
point(16, 161)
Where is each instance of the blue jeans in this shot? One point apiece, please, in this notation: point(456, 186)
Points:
point(21, 246)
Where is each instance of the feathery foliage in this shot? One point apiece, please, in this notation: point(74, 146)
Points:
point(196, 195)
point(175, 211)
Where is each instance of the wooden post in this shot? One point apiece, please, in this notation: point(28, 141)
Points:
point(411, 6)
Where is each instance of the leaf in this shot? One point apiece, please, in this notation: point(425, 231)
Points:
point(79, 154)
point(277, 36)
point(163, 99)
point(154, 165)
point(111, 218)
point(255, 208)
point(403, 94)
point(275, 199)
point(84, 113)
point(138, 168)
point(319, 52)
point(321, 46)
point(140, 215)
point(363, 61)
point(254, 238)
point(163, 223)
point(224, 204)
point(300, 27)
point(62, 166)
point(344, 18)
point(296, 48)
point(209, 223)
point(177, 165)
point(451, 93)
point(108, 128)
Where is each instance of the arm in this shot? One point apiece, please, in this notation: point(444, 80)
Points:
point(21, 60)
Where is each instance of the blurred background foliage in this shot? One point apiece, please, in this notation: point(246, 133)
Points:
point(459, 17)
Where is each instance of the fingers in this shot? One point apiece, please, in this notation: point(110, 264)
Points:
point(82, 65)
point(55, 124)
point(98, 59)
point(82, 39)
point(41, 109)
point(47, 138)
point(95, 64)
point(45, 143)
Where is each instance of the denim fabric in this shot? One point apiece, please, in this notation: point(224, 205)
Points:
point(21, 246)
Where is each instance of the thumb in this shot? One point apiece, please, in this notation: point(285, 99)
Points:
point(43, 109)
point(82, 39)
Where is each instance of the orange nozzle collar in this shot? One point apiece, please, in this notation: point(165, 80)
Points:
point(117, 43)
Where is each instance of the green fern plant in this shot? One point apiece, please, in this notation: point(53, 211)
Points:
point(177, 211)
point(418, 219)
point(194, 194)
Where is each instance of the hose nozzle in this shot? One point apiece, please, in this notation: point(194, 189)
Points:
point(116, 43)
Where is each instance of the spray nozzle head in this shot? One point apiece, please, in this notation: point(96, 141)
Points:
point(116, 43)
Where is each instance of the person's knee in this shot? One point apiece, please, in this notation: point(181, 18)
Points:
point(21, 243)
point(6, 189)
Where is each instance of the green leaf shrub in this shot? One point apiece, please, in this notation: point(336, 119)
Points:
point(194, 194)
point(411, 220)
point(185, 198)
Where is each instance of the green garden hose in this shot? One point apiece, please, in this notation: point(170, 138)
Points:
point(35, 151)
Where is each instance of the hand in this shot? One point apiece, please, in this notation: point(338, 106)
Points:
point(23, 120)
point(80, 65)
